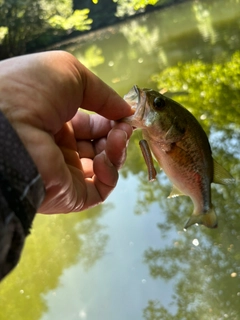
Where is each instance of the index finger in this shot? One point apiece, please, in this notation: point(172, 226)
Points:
point(100, 98)
point(90, 126)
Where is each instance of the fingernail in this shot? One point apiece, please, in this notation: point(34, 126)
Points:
point(125, 137)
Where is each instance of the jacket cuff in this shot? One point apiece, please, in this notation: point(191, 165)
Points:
point(21, 193)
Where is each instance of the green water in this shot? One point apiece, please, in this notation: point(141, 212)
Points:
point(129, 259)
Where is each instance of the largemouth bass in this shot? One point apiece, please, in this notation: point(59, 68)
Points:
point(181, 147)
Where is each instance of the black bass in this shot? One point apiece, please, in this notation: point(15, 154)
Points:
point(181, 148)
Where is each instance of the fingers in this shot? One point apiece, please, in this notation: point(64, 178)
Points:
point(116, 144)
point(91, 133)
point(90, 126)
point(106, 165)
point(113, 144)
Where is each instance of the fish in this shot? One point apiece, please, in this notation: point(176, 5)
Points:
point(177, 141)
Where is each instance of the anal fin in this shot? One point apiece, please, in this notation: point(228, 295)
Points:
point(221, 175)
point(175, 192)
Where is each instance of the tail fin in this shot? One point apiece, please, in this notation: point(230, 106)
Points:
point(208, 219)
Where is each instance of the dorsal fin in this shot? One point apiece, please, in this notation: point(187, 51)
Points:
point(220, 175)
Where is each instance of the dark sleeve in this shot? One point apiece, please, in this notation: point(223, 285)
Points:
point(21, 193)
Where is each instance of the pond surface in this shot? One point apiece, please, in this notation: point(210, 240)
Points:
point(130, 258)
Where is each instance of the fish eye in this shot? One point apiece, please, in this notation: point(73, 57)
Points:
point(159, 103)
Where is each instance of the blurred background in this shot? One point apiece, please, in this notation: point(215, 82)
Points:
point(130, 258)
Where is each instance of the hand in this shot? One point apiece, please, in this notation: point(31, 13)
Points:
point(78, 155)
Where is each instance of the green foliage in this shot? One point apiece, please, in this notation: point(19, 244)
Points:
point(22, 21)
point(140, 4)
point(129, 7)
point(3, 33)
point(212, 90)
point(36, 23)
point(91, 57)
point(78, 20)
point(59, 15)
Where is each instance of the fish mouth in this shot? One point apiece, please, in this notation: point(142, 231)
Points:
point(136, 98)
point(133, 97)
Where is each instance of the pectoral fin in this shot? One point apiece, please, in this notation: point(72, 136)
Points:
point(208, 219)
point(147, 155)
point(175, 192)
point(220, 175)
point(175, 132)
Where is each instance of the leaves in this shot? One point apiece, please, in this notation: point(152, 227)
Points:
point(129, 7)
point(78, 21)
point(212, 87)
point(28, 24)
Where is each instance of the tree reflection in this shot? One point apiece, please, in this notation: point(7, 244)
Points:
point(204, 22)
point(206, 275)
point(56, 243)
point(213, 90)
point(91, 57)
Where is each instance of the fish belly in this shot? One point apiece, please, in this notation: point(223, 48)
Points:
point(186, 174)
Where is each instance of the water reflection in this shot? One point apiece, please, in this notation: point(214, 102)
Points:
point(204, 22)
point(207, 275)
point(132, 260)
point(56, 243)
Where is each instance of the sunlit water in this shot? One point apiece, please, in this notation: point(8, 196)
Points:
point(130, 258)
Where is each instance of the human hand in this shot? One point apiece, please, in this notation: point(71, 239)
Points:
point(78, 155)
